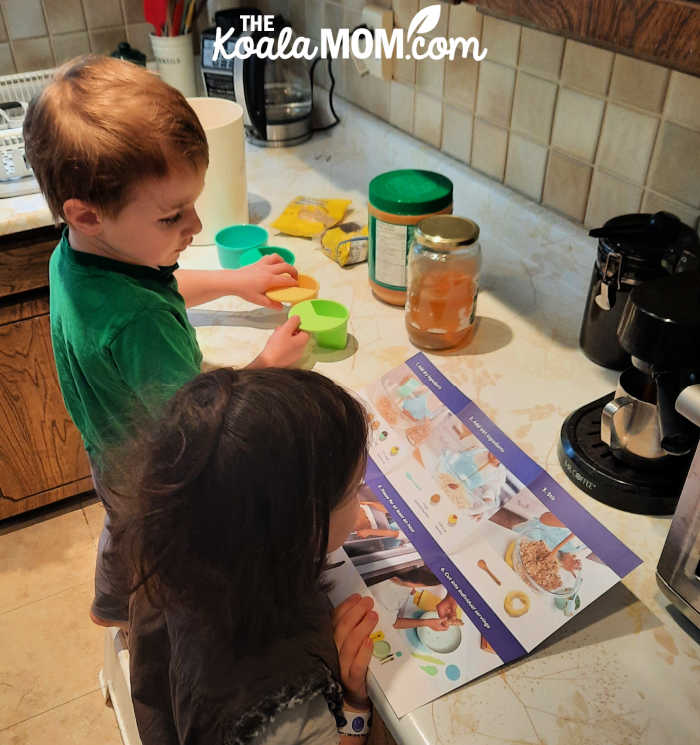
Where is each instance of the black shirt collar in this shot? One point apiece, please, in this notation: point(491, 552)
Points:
point(138, 271)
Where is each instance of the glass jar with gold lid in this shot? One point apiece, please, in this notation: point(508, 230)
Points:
point(443, 282)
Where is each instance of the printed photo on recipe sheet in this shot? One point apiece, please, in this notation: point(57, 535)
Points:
point(473, 553)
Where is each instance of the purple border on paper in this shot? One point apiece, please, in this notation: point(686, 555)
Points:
point(434, 380)
point(504, 643)
point(595, 535)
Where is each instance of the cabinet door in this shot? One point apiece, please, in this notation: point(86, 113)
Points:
point(24, 260)
point(41, 452)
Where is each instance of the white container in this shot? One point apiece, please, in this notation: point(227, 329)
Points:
point(224, 200)
point(175, 60)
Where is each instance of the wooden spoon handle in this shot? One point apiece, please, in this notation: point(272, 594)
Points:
point(483, 565)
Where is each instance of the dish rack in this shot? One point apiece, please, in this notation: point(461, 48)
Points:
point(16, 91)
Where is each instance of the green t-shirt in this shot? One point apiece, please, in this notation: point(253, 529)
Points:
point(121, 341)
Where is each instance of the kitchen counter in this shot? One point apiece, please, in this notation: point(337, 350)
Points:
point(23, 213)
point(622, 671)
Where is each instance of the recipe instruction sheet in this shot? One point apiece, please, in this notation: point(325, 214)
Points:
point(472, 552)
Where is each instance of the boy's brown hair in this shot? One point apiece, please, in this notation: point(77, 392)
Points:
point(101, 126)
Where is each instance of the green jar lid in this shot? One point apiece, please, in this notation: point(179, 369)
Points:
point(410, 192)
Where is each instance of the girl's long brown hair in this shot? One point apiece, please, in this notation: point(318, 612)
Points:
point(232, 491)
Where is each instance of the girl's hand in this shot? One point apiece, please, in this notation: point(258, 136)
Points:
point(270, 273)
point(353, 622)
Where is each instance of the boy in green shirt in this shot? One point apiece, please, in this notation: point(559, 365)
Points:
point(120, 156)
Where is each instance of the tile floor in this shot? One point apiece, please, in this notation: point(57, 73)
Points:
point(50, 653)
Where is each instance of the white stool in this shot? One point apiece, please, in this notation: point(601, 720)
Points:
point(116, 686)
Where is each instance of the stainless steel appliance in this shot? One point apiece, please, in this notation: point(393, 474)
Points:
point(678, 572)
point(632, 449)
point(276, 95)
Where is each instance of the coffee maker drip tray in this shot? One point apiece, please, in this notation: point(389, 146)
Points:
point(590, 464)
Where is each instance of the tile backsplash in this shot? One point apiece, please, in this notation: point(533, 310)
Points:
point(583, 130)
point(39, 34)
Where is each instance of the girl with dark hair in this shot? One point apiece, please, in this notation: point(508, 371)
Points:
point(245, 485)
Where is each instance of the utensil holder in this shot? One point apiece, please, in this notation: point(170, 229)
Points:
point(175, 59)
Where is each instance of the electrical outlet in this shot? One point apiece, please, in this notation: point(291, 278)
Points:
point(376, 17)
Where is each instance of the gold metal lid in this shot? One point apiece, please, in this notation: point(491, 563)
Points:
point(446, 232)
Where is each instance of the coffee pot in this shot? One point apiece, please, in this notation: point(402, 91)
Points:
point(632, 249)
point(276, 95)
point(631, 449)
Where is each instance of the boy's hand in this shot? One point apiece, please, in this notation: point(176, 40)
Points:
point(252, 282)
point(285, 347)
point(353, 621)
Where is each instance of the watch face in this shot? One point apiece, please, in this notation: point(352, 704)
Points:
point(221, 63)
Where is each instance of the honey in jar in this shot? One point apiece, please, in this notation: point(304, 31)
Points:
point(443, 282)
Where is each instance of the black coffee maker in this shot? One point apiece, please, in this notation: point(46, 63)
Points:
point(632, 249)
point(631, 449)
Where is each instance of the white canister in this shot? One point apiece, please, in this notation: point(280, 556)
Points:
point(175, 60)
point(224, 200)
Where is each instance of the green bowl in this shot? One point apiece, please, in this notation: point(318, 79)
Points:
point(326, 320)
point(232, 242)
point(255, 254)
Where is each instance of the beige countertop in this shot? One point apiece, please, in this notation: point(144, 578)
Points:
point(23, 213)
point(623, 671)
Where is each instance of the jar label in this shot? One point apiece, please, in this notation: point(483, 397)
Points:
point(391, 243)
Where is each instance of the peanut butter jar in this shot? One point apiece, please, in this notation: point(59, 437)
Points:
point(398, 201)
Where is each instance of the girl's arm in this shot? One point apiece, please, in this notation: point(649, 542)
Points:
point(353, 622)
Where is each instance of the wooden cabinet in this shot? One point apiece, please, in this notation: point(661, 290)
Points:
point(42, 458)
point(662, 31)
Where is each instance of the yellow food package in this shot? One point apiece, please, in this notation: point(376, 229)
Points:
point(306, 217)
point(346, 243)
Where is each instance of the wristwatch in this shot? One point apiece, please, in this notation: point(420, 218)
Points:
point(356, 723)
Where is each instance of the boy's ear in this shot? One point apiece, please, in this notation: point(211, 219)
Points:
point(82, 216)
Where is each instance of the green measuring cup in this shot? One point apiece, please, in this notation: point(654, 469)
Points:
point(255, 254)
point(326, 320)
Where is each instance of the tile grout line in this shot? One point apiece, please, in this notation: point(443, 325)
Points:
point(509, 129)
point(46, 597)
point(51, 708)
